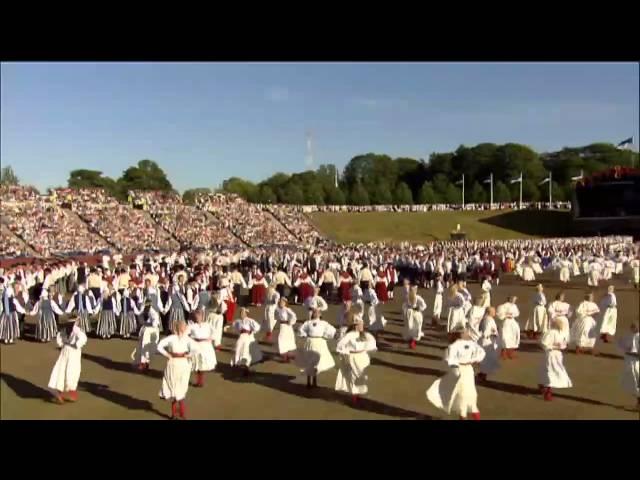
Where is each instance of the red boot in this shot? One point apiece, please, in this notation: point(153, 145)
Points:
point(354, 399)
point(199, 379)
point(412, 344)
point(182, 410)
point(548, 396)
point(269, 336)
point(219, 347)
point(72, 396)
point(475, 416)
point(174, 410)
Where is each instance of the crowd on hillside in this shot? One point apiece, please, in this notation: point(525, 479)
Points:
point(439, 207)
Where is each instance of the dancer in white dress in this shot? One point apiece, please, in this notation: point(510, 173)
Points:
point(528, 274)
point(271, 303)
point(178, 348)
point(344, 319)
point(148, 338)
point(456, 393)
point(315, 302)
point(561, 311)
point(565, 273)
point(413, 308)
point(489, 341)
point(507, 313)
point(215, 317)
point(354, 359)
point(204, 358)
point(538, 322)
point(286, 337)
point(630, 371)
point(314, 357)
point(66, 372)
point(609, 309)
point(583, 332)
point(552, 372)
point(486, 289)
point(456, 317)
point(374, 322)
point(474, 317)
point(437, 301)
point(247, 351)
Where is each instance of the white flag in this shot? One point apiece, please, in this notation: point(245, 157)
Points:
point(517, 180)
point(488, 180)
point(460, 182)
point(544, 181)
point(623, 145)
point(579, 177)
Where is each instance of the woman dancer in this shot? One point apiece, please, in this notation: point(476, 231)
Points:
point(148, 339)
point(456, 393)
point(66, 372)
point(178, 348)
point(354, 350)
point(215, 317)
point(510, 329)
point(609, 307)
point(475, 316)
point(46, 327)
point(537, 324)
point(583, 333)
point(204, 356)
point(413, 308)
point(456, 318)
point(489, 341)
point(345, 318)
point(314, 357)
point(486, 288)
point(630, 372)
point(437, 301)
point(561, 311)
point(271, 303)
point(286, 318)
point(128, 312)
point(553, 374)
point(109, 308)
point(247, 351)
point(375, 323)
point(82, 304)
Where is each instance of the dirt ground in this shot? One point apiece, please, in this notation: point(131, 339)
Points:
point(398, 377)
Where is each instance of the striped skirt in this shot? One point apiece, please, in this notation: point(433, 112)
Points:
point(62, 286)
point(175, 315)
point(128, 324)
point(46, 328)
point(9, 328)
point(106, 324)
point(84, 322)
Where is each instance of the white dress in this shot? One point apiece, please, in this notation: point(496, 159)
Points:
point(565, 273)
point(204, 358)
point(247, 351)
point(609, 307)
point(473, 323)
point(66, 372)
point(413, 319)
point(314, 357)
point(630, 376)
point(269, 323)
point(489, 341)
point(175, 381)
point(486, 288)
point(455, 392)
point(215, 317)
point(148, 339)
point(315, 303)
point(561, 311)
point(286, 336)
point(456, 317)
point(354, 360)
point(584, 330)
point(539, 320)
point(552, 373)
point(528, 274)
point(510, 329)
point(594, 274)
point(372, 320)
point(437, 301)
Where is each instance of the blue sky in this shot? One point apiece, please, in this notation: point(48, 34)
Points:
point(204, 122)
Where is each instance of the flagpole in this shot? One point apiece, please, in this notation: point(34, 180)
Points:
point(463, 191)
point(491, 177)
point(550, 190)
point(520, 207)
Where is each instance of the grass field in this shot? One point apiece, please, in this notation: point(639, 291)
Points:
point(398, 377)
point(428, 226)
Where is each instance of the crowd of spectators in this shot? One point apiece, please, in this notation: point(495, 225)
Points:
point(438, 207)
point(295, 221)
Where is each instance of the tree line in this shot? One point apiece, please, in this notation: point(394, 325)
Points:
point(378, 179)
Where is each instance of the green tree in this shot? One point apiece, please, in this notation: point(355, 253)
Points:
point(267, 195)
point(501, 193)
point(453, 195)
point(314, 195)
point(380, 193)
point(335, 196)
point(530, 191)
point(402, 194)
point(557, 192)
point(477, 194)
point(240, 187)
point(359, 195)
point(146, 175)
point(94, 179)
point(189, 196)
point(427, 195)
point(8, 177)
point(293, 194)
point(441, 184)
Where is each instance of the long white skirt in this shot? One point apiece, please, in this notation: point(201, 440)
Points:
point(286, 339)
point(619, 268)
point(585, 268)
point(606, 273)
point(455, 393)
point(204, 359)
point(565, 274)
point(314, 357)
point(66, 371)
point(536, 268)
point(247, 351)
point(630, 375)
point(456, 318)
point(351, 373)
point(491, 361)
point(636, 275)
point(412, 325)
point(576, 269)
point(437, 306)
point(269, 322)
point(217, 322)
point(584, 332)
point(487, 300)
point(147, 345)
point(553, 374)
point(374, 322)
point(609, 321)
point(528, 274)
point(593, 278)
point(564, 327)
point(510, 334)
point(175, 381)
point(539, 321)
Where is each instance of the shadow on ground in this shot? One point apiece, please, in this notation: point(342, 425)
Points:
point(533, 222)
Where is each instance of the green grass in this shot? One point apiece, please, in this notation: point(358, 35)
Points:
point(429, 226)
